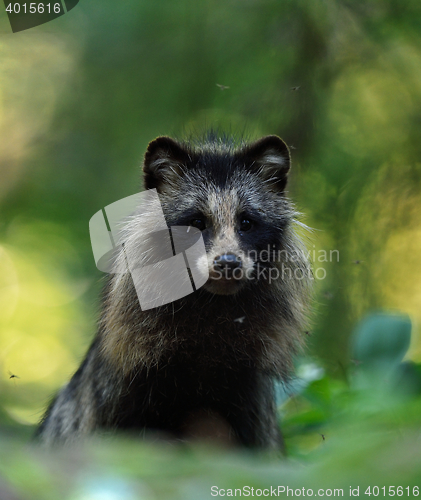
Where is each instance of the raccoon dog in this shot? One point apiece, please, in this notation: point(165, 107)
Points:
point(205, 364)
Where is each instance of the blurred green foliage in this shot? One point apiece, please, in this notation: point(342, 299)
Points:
point(81, 97)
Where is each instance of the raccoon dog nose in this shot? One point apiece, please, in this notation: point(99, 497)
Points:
point(227, 263)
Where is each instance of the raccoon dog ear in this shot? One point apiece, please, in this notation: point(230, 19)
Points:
point(270, 158)
point(164, 161)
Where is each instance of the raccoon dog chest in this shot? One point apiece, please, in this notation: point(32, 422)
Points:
point(208, 359)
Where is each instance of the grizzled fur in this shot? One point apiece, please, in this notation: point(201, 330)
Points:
point(211, 357)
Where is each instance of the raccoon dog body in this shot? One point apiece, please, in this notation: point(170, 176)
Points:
point(208, 360)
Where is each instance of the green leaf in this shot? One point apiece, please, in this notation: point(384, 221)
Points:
point(382, 340)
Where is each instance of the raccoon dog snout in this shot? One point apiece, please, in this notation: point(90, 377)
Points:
point(227, 263)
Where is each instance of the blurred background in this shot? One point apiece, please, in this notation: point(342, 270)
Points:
point(81, 97)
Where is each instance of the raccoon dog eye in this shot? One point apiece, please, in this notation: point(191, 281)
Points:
point(245, 224)
point(199, 223)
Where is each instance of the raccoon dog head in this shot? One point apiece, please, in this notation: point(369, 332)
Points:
point(234, 194)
